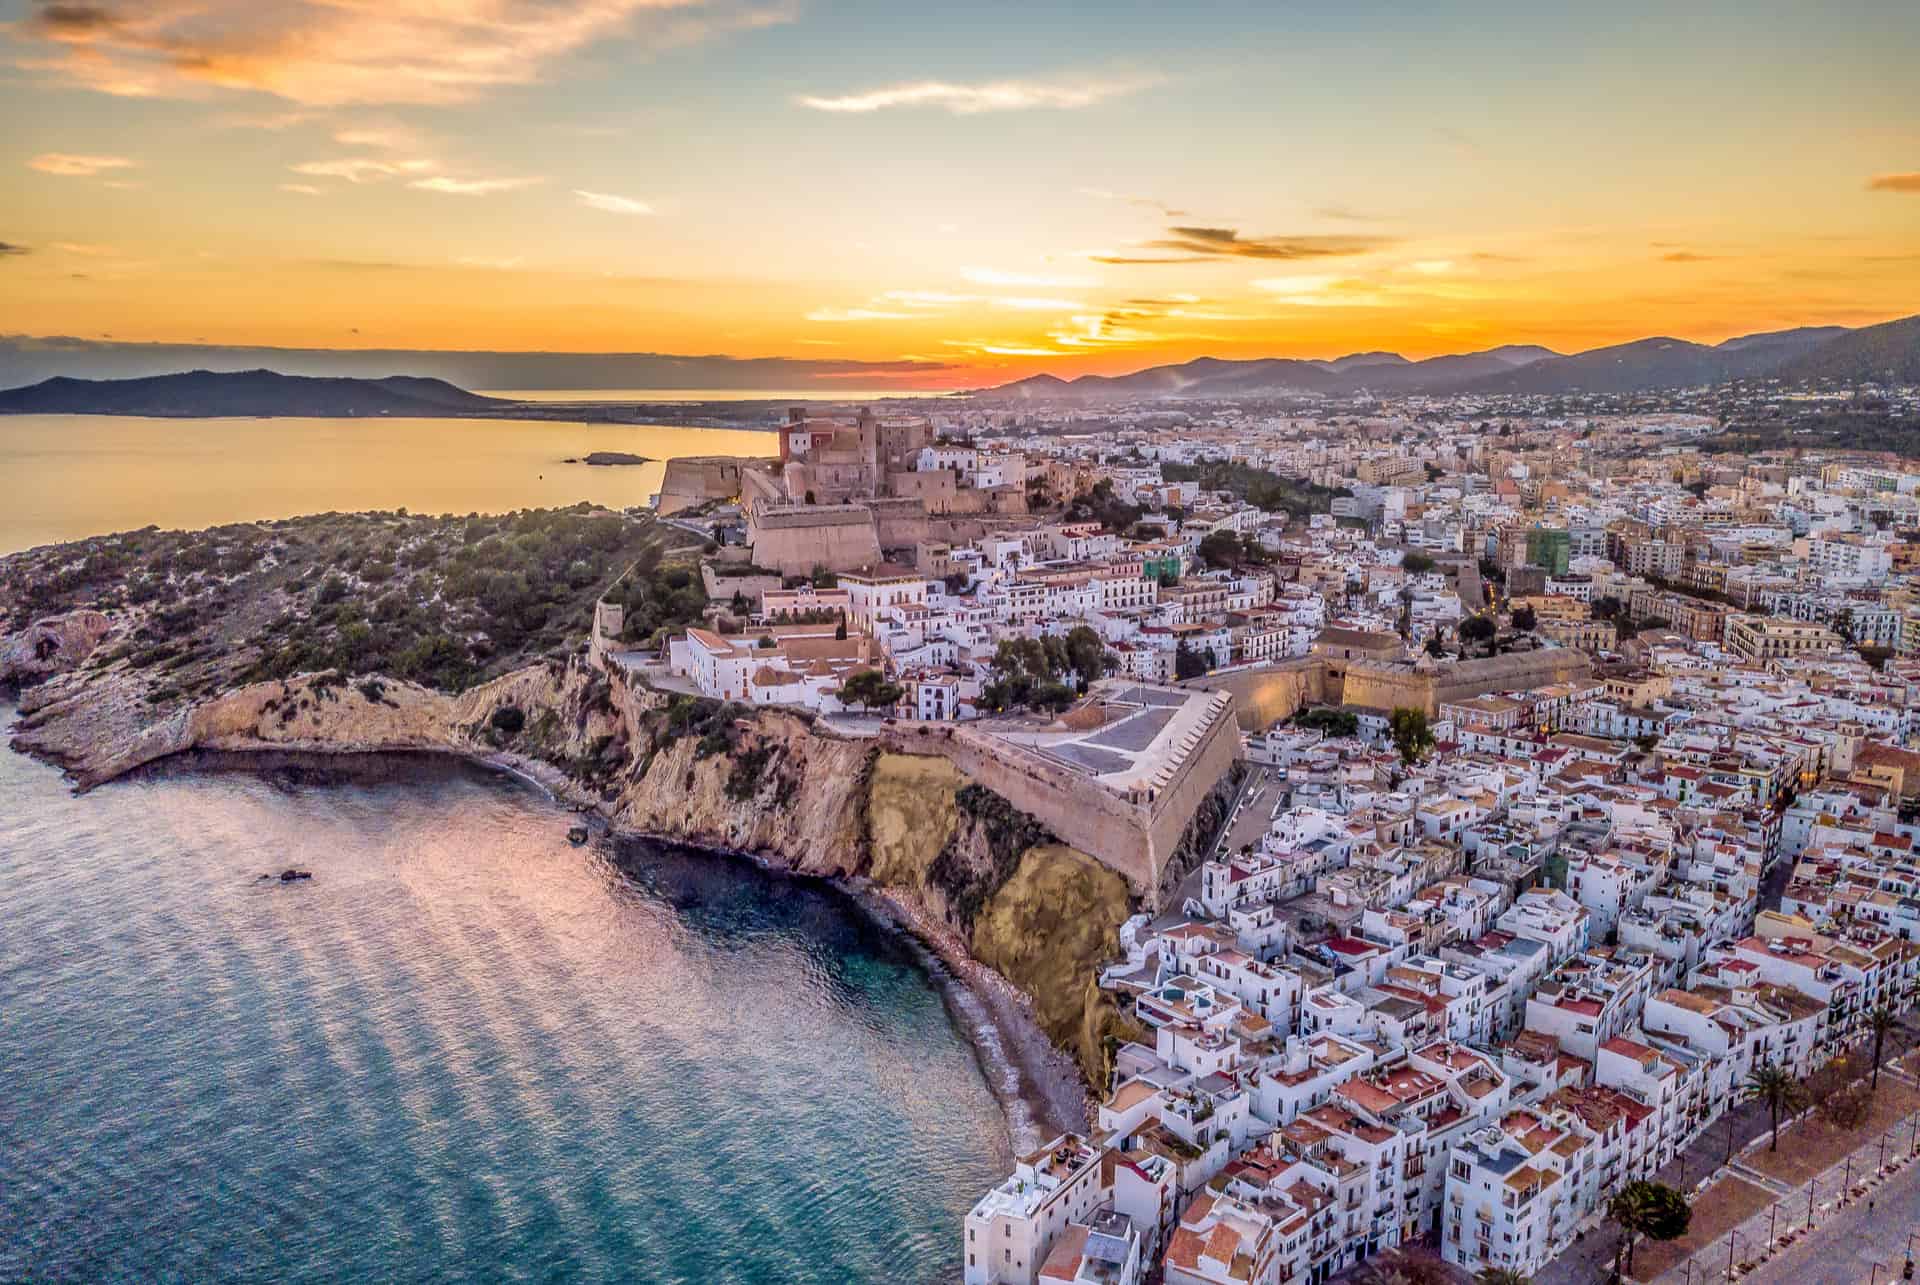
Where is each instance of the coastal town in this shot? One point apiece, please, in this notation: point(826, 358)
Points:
point(1506, 795)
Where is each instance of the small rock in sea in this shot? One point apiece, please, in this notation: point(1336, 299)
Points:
point(289, 875)
point(577, 835)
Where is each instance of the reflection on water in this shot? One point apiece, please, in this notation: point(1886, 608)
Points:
point(464, 1050)
point(72, 476)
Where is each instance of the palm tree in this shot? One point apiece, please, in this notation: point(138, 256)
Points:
point(1646, 1208)
point(1881, 1020)
point(1501, 1276)
point(1624, 1210)
point(1774, 1085)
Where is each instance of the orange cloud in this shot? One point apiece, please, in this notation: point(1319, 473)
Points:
point(68, 165)
point(345, 51)
point(1909, 182)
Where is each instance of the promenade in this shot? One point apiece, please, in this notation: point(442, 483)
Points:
point(1801, 1212)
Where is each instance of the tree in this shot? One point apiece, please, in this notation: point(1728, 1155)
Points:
point(1416, 563)
point(1189, 662)
point(824, 578)
point(1847, 1108)
point(1650, 1209)
point(1328, 721)
point(1606, 607)
point(1221, 549)
point(867, 688)
point(1476, 629)
point(1412, 735)
point(1881, 1020)
point(1085, 652)
point(1525, 620)
point(1437, 646)
point(1774, 1085)
point(840, 630)
point(1501, 1276)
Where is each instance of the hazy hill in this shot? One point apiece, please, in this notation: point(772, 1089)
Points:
point(1664, 363)
point(1831, 354)
point(1218, 377)
point(1888, 353)
point(245, 393)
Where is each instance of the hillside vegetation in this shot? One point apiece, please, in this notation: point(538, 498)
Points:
point(1841, 430)
point(1258, 487)
point(446, 602)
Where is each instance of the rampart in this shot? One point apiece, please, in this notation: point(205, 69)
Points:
point(794, 539)
point(1135, 839)
point(1268, 694)
point(699, 478)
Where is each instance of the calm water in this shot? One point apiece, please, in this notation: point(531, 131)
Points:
point(804, 397)
point(70, 476)
point(464, 1051)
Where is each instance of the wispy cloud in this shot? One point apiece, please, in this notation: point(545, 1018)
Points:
point(1025, 280)
point(838, 315)
point(1908, 182)
point(449, 186)
point(611, 204)
point(1187, 244)
point(1144, 202)
point(85, 249)
point(391, 138)
point(997, 348)
point(1687, 256)
point(301, 189)
point(928, 299)
point(272, 122)
point(335, 52)
point(989, 96)
point(1347, 214)
point(1028, 304)
point(362, 169)
point(1320, 291)
point(69, 165)
point(1228, 243)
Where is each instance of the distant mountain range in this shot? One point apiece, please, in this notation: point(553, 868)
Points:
point(1831, 354)
point(27, 358)
point(246, 393)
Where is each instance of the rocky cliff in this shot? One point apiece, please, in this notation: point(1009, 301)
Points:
point(981, 881)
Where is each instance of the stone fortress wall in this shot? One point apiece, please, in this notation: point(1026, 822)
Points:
point(1134, 839)
point(1268, 694)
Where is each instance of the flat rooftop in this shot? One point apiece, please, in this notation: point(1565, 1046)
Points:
point(1125, 736)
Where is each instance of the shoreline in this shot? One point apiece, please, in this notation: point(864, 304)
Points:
point(1037, 1086)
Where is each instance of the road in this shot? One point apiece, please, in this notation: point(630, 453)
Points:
point(1858, 1244)
point(1254, 812)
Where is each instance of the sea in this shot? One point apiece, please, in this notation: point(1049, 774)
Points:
point(463, 1050)
point(65, 477)
point(798, 397)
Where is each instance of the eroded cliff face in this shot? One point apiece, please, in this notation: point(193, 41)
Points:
point(966, 865)
point(1039, 913)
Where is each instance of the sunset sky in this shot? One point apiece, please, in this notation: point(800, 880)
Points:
point(990, 189)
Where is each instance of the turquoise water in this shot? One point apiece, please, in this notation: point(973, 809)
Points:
point(465, 1050)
